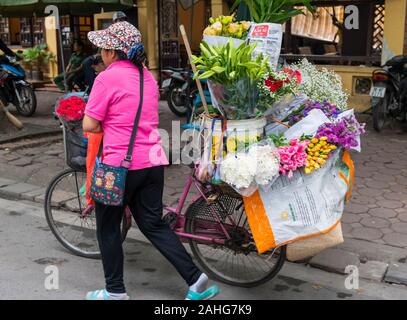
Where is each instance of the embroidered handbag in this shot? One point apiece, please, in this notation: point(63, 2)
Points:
point(108, 182)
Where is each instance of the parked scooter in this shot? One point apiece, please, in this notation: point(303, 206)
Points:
point(389, 92)
point(181, 92)
point(14, 88)
point(174, 83)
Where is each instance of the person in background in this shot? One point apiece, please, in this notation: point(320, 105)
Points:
point(74, 69)
point(119, 16)
point(111, 109)
point(6, 50)
point(91, 67)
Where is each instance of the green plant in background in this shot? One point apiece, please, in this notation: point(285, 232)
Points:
point(38, 56)
point(227, 64)
point(275, 11)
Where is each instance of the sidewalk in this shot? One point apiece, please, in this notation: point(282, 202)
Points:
point(374, 222)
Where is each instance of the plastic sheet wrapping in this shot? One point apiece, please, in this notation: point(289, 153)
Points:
point(301, 207)
point(283, 108)
point(237, 101)
point(308, 125)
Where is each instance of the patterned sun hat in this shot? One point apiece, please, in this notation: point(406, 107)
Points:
point(119, 36)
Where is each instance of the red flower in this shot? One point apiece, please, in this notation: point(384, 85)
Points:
point(293, 74)
point(273, 85)
point(71, 109)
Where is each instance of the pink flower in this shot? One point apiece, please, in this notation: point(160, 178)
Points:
point(292, 157)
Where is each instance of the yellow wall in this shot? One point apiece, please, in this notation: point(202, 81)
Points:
point(148, 26)
point(394, 28)
point(51, 39)
point(102, 16)
point(219, 8)
point(349, 74)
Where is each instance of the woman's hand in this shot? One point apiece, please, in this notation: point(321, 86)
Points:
point(91, 125)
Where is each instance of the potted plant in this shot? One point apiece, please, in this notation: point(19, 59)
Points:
point(29, 55)
point(44, 58)
point(36, 60)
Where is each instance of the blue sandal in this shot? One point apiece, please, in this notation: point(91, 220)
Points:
point(206, 295)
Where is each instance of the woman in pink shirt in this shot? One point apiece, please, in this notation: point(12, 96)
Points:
point(111, 109)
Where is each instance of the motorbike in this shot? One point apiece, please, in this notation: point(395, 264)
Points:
point(15, 89)
point(389, 92)
point(181, 92)
point(174, 83)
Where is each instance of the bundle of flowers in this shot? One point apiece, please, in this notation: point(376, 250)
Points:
point(293, 156)
point(71, 110)
point(321, 85)
point(318, 151)
point(277, 84)
point(329, 109)
point(343, 132)
point(227, 26)
point(260, 165)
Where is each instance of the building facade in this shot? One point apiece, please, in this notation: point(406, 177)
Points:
point(354, 54)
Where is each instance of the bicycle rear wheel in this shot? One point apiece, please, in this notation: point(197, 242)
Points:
point(65, 205)
point(237, 262)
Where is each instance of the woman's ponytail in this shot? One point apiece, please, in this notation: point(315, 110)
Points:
point(137, 55)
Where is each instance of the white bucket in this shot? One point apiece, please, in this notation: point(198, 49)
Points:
point(238, 131)
point(220, 41)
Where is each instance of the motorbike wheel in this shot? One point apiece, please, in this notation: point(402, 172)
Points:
point(379, 110)
point(176, 102)
point(28, 104)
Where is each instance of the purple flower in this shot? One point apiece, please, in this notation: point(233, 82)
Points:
point(330, 110)
point(343, 132)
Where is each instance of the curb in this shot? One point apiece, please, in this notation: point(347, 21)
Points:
point(365, 256)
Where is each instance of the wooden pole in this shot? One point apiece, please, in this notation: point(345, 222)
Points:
point(17, 123)
point(198, 82)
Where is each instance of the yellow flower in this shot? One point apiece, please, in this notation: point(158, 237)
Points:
point(246, 25)
point(233, 28)
point(209, 31)
point(226, 20)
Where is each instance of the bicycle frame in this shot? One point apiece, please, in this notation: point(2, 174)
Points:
point(179, 228)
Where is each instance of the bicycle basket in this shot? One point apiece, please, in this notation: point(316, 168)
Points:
point(76, 148)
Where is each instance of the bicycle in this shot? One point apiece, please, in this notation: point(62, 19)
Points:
point(214, 225)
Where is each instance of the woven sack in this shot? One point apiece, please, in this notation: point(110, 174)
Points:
point(309, 247)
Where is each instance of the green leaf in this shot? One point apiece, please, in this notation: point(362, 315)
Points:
point(218, 69)
point(235, 5)
point(207, 74)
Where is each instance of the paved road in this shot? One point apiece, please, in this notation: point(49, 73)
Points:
point(28, 247)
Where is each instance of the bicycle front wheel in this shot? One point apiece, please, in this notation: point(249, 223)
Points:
point(64, 207)
point(70, 219)
point(237, 262)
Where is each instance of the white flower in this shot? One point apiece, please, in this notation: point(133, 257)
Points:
point(260, 165)
point(217, 26)
point(267, 163)
point(320, 85)
point(238, 170)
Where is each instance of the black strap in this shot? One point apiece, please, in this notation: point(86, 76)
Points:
point(130, 148)
point(129, 155)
